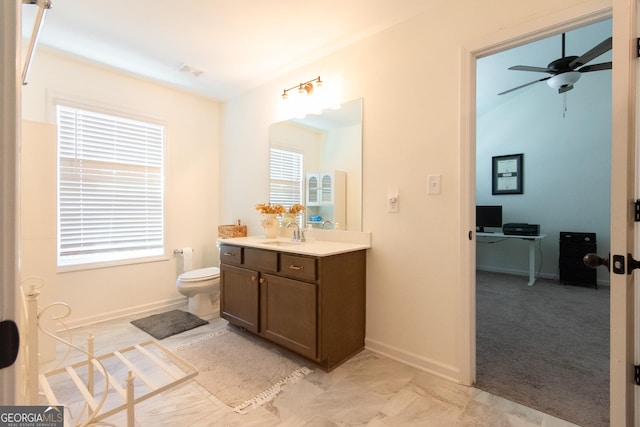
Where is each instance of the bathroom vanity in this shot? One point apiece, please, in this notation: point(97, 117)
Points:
point(308, 297)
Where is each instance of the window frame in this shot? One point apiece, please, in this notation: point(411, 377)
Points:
point(111, 258)
point(302, 176)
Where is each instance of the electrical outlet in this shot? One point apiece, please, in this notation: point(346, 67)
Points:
point(392, 203)
point(433, 182)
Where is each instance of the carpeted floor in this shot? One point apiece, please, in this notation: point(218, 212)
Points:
point(172, 322)
point(545, 346)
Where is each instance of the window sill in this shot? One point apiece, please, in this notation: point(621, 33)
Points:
point(110, 264)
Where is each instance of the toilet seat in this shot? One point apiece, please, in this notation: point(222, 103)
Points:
point(199, 275)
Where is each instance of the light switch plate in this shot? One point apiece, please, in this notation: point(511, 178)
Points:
point(433, 182)
point(392, 203)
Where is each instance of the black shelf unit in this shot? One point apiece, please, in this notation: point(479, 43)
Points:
point(573, 247)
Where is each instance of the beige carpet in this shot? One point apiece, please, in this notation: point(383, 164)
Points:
point(241, 370)
point(545, 346)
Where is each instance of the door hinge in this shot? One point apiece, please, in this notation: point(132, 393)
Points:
point(637, 374)
point(636, 210)
point(638, 47)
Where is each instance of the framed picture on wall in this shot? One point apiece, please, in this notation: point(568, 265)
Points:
point(507, 174)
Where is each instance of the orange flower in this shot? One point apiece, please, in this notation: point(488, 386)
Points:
point(268, 208)
point(296, 209)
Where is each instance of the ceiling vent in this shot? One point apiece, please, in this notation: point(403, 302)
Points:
point(184, 68)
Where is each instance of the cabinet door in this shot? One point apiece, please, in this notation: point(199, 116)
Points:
point(239, 296)
point(288, 314)
point(326, 189)
point(313, 185)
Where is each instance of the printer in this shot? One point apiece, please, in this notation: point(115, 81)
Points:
point(521, 229)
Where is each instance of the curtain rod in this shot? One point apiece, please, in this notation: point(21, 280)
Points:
point(43, 6)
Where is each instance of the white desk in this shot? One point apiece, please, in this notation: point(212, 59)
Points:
point(532, 248)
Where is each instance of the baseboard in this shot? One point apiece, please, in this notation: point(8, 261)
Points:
point(603, 283)
point(447, 372)
point(178, 302)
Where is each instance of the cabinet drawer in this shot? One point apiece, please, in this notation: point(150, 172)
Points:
point(230, 254)
point(261, 260)
point(298, 267)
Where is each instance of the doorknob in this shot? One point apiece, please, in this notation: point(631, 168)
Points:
point(595, 261)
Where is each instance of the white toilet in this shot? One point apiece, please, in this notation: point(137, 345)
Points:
point(202, 286)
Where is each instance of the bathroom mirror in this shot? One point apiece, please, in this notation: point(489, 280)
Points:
point(331, 147)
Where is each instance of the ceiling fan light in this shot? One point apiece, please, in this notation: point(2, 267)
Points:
point(563, 79)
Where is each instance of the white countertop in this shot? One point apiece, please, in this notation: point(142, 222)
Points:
point(318, 248)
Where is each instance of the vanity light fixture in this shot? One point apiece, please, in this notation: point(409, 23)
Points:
point(305, 88)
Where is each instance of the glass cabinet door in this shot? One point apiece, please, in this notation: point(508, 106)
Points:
point(327, 189)
point(312, 190)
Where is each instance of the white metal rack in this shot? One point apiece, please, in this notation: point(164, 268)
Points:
point(99, 386)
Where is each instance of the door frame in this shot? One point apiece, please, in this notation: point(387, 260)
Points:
point(10, 91)
point(622, 181)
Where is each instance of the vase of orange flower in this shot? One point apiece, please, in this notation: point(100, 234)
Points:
point(269, 221)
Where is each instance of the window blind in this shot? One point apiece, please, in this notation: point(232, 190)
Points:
point(285, 177)
point(110, 187)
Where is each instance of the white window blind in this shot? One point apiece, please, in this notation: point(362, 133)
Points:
point(285, 177)
point(110, 187)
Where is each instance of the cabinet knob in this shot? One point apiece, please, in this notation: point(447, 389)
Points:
point(261, 280)
point(254, 278)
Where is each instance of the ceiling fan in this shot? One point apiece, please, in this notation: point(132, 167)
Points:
point(566, 70)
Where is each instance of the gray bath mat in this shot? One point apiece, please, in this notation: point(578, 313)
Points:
point(172, 322)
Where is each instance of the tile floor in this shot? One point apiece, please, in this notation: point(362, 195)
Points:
point(368, 390)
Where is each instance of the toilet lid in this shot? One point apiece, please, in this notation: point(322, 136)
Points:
point(200, 274)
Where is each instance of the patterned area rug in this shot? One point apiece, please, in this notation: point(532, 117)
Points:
point(240, 369)
point(172, 322)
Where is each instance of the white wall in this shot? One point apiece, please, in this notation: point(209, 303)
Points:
point(191, 186)
point(300, 139)
point(567, 155)
point(343, 152)
point(408, 77)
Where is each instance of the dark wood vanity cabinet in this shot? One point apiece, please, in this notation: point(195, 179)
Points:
point(288, 314)
point(239, 296)
point(314, 306)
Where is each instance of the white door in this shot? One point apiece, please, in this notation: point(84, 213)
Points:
point(622, 225)
point(637, 252)
point(10, 13)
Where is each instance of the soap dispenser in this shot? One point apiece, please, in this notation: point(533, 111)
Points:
point(309, 235)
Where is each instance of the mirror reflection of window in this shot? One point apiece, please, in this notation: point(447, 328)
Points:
point(286, 178)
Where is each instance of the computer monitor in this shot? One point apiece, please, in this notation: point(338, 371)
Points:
point(488, 216)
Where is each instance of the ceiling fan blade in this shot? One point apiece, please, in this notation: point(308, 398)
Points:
point(528, 68)
point(596, 67)
point(524, 85)
point(603, 47)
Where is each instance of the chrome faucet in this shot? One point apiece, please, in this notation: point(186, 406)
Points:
point(324, 222)
point(298, 236)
